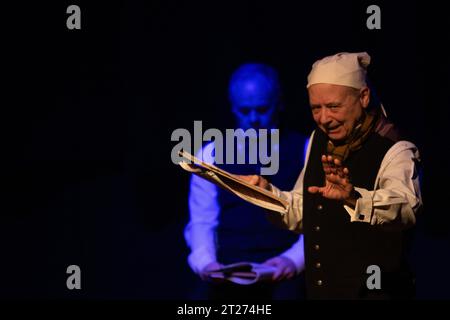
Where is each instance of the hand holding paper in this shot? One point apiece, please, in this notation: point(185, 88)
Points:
point(242, 187)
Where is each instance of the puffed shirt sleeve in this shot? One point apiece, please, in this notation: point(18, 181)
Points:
point(296, 254)
point(204, 208)
point(292, 219)
point(395, 199)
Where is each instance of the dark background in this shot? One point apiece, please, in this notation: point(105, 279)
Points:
point(88, 116)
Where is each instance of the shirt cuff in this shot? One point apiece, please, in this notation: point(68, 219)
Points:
point(363, 209)
point(277, 192)
point(200, 258)
point(295, 254)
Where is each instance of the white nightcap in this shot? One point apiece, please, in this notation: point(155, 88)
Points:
point(344, 68)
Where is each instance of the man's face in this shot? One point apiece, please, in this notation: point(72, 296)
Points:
point(253, 105)
point(336, 109)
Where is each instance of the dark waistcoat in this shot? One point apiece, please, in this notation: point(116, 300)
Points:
point(337, 251)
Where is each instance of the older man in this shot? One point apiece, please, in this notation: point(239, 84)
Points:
point(225, 229)
point(358, 192)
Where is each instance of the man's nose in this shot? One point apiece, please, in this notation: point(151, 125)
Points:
point(254, 116)
point(324, 116)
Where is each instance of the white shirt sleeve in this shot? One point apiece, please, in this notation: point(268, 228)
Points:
point(396, 198)
point(204, 212)
point(296, 254)
point(293, 219)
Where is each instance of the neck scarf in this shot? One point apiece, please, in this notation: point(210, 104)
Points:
point(356, 139)
point(372, 121)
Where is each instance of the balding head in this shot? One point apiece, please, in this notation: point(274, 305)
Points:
point(254, 93)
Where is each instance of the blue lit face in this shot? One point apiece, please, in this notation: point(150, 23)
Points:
point(254, 103)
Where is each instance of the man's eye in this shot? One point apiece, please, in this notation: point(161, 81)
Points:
point(263, 109)
point(244, 111)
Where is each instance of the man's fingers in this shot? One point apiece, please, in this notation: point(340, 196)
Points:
point(326, 165)
point(290, 275)
point(337, 162)
point(340, 173)
point(343, 172)
point(282, 276)
point(254, 180)
point(313, 189)
point(331, 165)
point(277, 275)
point(270, 263)
point(245, 178)
point(334, 166)
point(251, 179)
point(335, 179)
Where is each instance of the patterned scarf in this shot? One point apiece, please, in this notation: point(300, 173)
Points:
point(370, 122)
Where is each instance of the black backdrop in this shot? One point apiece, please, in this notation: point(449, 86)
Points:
point(86, 130)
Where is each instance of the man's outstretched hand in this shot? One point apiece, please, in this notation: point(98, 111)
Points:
point(337, 182)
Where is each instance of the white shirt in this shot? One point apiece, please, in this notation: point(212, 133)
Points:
point(204, 213)
point(393, 202)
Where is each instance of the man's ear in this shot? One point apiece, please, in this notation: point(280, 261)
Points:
point(364, 97)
